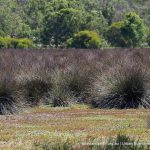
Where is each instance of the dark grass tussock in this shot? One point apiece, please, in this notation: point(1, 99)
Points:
point(60, 94)
point(34, 90)
point(123, 88)
point(33, 87)
point(9, 102)
point(32, 72)
point(69, 86)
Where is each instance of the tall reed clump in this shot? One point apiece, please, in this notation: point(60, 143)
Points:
point(69, 86)
point(34, 87)
point(122, 87)
point(9, 103)
point(7, 100)
point(79, 80)
point(60, 94)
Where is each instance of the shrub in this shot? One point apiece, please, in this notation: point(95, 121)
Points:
point(24, 43)
point(123, 88)
point(3, 43)
point(7, 42)
point(148, 38)
point(13, 43)
point(85, 39)
point(105, 44)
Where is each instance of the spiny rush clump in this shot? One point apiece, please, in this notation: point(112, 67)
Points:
point(121, 89)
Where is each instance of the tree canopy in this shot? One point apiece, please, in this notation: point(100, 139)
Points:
point(51, 23)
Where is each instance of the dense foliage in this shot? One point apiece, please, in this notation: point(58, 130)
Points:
point(85, 39)
point(7, 42)
point(52, 23)
point(127, 33)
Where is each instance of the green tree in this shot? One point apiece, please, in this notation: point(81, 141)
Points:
point(9, 17)
point(13, 20)
point(29, 18)
point(95, 21)
point(57, 5)
point(114, 35)
point(128, 33)
point(85, 39)
point(148, 38)
point(133, 30)
point(61, 25)
point(108, 12)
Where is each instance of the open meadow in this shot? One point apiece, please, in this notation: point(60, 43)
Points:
point(82, 98)
point(77, 124)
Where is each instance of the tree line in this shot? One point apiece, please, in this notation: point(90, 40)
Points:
point(75, 23)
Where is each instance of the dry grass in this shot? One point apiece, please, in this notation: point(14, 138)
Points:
point(33, 70)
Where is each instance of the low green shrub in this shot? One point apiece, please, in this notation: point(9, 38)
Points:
point(7, 42)
point(3, 43)
point(25, 43)
point(85, 39)
point(148, 39)
point(13, 43)
point(123, 88)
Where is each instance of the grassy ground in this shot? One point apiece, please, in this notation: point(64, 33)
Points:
point(77, 123)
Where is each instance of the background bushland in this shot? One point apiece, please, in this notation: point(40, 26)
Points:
point(51, 23)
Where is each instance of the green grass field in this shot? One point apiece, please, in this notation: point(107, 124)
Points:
point(75, 124)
